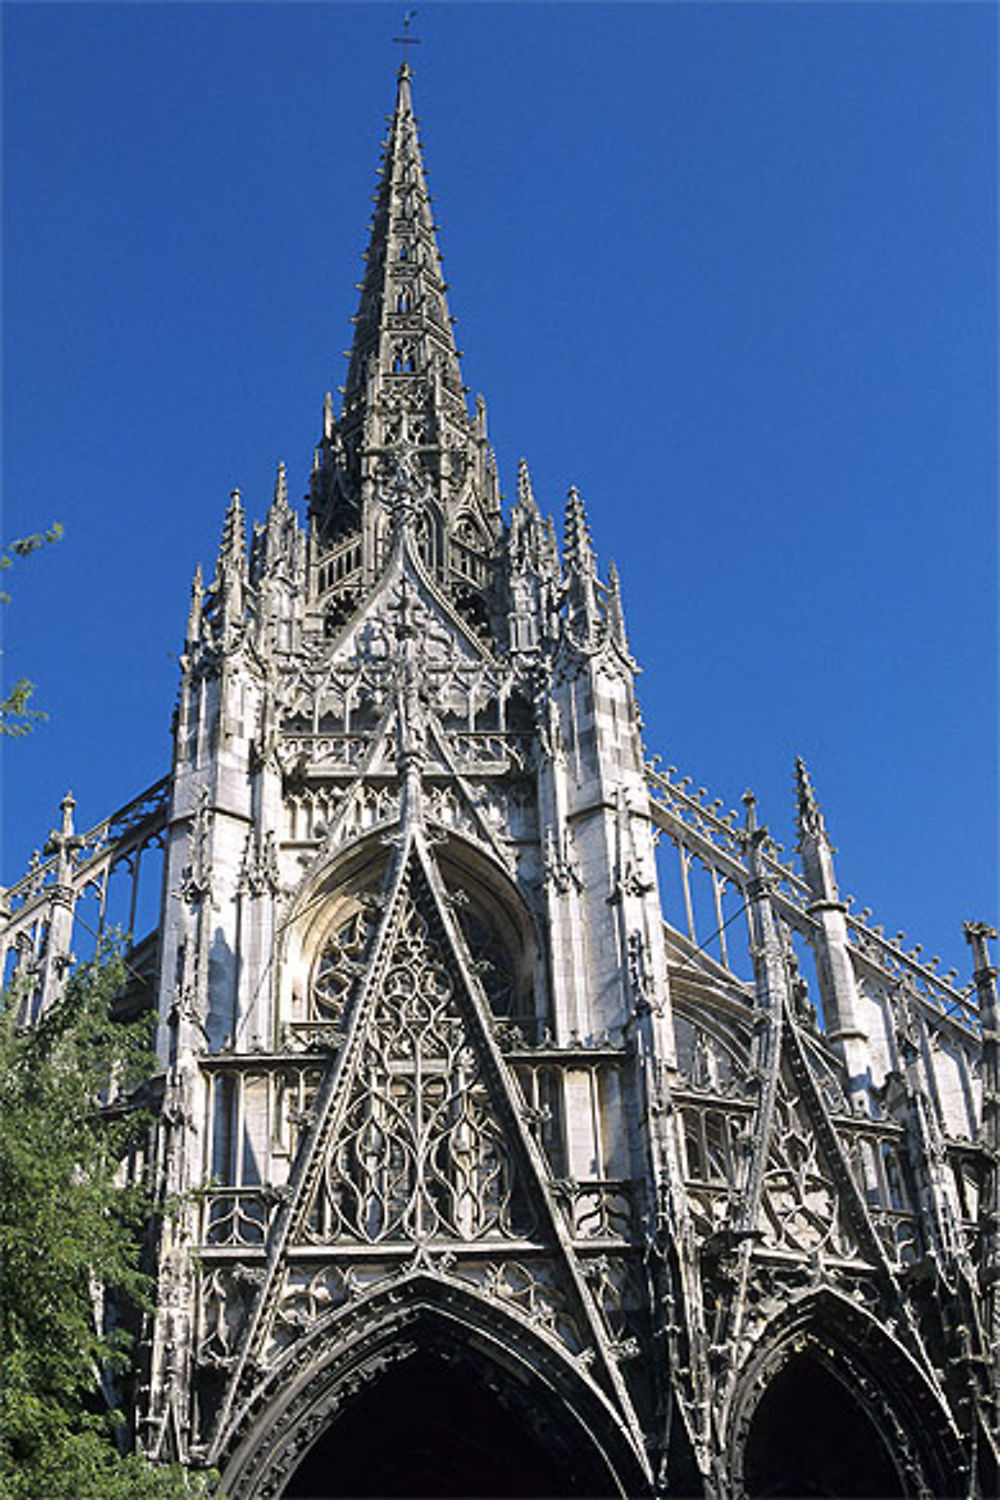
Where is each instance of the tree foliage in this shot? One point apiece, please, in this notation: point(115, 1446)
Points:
point(70, 1234)
point(17, 717)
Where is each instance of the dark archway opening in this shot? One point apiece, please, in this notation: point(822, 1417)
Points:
point(811, 1437)
point(430, 1428)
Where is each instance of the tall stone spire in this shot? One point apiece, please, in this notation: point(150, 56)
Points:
point(404, 385)
point(402, 326)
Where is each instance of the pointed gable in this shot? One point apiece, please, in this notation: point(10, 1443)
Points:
point(419, 1147)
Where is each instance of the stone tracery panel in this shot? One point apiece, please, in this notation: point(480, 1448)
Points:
point(339, 965)
point(420, 1151)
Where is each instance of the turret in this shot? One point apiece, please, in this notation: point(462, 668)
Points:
point(838, 985)
point(57, 958)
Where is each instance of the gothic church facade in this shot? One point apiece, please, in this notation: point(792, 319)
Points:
point(536, 1127)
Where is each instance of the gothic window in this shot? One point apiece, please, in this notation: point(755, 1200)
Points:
point(381, 537)
point(224, 1112)
point(717, 1147)
point(294, 1094)
point(705, 1059)
point(468, 552)
point(967, 1184)
point(520, 715)
point(404, 360)
point(403, 302)
point(436, 311)
point(429, 539)
point(338, 610)
point(467, 532)
point(339, 964)
point(472, 608)
point(491, 959)
point(10, 962)
point(254, 1121)
point(500, 946)
point(708, 1145)
point(693, 1149)
point(613, 1132)
point(239, 1111)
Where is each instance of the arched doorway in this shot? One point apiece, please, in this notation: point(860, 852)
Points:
point(425, 1389)
point(432, 1428)
point(810, 1436)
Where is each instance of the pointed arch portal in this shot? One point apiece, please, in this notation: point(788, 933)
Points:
point(810, 1436)
point(430, 1427)
point(834, 1406)
point(429, 1390)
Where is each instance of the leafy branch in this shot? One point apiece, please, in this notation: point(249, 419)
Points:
point(72, 1217)
point(16, 716)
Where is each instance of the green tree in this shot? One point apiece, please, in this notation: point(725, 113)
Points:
point(70, 1232)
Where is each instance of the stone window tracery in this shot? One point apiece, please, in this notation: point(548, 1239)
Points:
point(338, 966)
point(419, 1150)
point(500, 945)
point(343, 954)
point(491, 958)
point(428, 539)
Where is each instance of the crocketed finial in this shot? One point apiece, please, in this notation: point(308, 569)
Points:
point(810, 819)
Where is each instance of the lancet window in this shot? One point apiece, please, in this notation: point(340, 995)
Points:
point(710, 1142)
point(256, 1120)
point(428, 540)
point(403, 359)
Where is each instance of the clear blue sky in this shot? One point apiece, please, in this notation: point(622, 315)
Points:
point(730, 269)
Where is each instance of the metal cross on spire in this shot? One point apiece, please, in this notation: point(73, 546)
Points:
point(406, 40)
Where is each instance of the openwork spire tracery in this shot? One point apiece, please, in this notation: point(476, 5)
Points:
point(404, 394)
